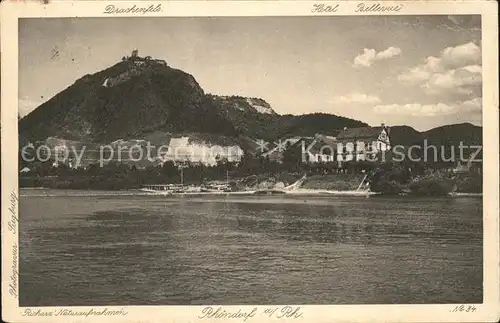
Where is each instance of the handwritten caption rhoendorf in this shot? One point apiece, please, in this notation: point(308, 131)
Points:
point(285, 312)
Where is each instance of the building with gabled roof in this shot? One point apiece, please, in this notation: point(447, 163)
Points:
point(351, 144)
point(184, 149)
point(359, 143)
point(276, 153)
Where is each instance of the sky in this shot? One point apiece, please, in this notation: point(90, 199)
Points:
point(421, 71)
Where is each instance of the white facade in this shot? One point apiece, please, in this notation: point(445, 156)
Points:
point(320, 158)
point(181, 150)
point(359, 149)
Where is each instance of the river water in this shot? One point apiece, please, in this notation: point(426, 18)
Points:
point(113, 249)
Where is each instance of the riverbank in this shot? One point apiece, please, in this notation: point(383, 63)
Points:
point(299, 193)
point(430, 184)
point(333, 182)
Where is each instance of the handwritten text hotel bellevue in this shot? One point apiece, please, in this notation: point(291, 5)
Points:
point(360, 7)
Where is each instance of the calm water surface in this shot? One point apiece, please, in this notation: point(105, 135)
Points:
point(132, 250)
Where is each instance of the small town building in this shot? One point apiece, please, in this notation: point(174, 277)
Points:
point(318, 149)
point(351, 144)
point(183, 149)
point(356, 144)
point(275, 154)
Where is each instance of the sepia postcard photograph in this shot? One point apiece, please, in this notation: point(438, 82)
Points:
point(250, 162)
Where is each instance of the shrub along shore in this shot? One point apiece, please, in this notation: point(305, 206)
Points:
point(429, 182)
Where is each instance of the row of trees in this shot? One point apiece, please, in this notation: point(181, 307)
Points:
point(388, 177)
point(397, 178)
point(129, 176)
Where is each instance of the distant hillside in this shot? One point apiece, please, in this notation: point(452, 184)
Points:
point(255, 118)
point(127, 100)
point(404, 135)
point(447, 141)
point(144, 99)
point(447, 135)
point(232, 104)
point(466, 133)
point(311, 124)
point(138, 97)
point(252, 117)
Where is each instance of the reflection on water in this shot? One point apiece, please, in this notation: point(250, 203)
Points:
point(125, 250)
